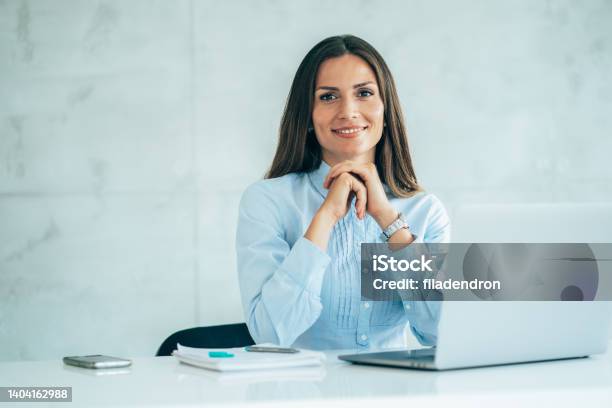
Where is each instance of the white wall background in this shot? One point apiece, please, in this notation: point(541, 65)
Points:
point(128, 130)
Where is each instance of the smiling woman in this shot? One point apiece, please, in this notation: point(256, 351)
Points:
point(342, 175)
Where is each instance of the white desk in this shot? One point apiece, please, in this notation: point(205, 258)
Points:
point(162, 381)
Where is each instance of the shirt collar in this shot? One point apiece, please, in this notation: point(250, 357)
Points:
point(317, 177)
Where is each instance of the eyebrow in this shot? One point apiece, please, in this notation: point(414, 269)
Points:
point(333, 88)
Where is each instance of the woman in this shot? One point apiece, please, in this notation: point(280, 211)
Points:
point(342, 175)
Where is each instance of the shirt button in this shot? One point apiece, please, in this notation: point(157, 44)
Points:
point(364, 337)
point(366, 305)
point(407, 306)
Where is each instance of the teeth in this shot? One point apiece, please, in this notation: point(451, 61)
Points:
point(348, 131)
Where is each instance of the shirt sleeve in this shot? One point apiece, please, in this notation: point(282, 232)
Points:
point(424, 316)
point(438, 224)
point(280, 284)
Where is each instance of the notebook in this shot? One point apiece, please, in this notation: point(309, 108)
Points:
point(244, 360)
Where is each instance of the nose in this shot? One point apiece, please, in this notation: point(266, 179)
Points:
point(348, 109)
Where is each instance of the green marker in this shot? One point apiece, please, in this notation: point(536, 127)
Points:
point(219, 354)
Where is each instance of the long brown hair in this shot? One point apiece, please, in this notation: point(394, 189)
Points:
point(298, 149)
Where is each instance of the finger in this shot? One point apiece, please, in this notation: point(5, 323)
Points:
point(349, 199)
point(335, 171)
point(362, 170)
point(361, 177)
point(330, 183)
point(362, 198)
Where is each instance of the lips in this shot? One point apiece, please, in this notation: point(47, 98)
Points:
point(349, 131)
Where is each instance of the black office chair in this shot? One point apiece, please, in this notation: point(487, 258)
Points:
point(223, 336)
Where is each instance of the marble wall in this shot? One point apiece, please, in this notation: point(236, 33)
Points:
point(128, 130)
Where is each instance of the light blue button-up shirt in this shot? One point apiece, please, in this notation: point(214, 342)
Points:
point(295, 294)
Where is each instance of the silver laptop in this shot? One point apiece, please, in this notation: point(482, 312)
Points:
point(473, 334)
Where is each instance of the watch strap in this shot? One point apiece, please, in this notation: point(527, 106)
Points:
point(399, 223)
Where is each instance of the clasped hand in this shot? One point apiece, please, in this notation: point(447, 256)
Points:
point(348, 179)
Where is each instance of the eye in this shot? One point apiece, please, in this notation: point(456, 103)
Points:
point(327, 97)
point(362, 93)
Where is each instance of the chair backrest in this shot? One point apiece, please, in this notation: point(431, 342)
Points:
point(223, 336)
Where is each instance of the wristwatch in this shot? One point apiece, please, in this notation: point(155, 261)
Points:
point(395, 226)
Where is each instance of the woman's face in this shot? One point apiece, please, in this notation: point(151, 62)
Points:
point(348, 112)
